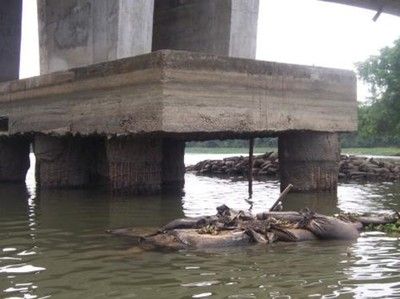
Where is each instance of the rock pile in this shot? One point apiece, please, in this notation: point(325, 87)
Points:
point(350, 167)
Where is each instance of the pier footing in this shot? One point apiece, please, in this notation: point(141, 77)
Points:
point(173, 166)
point(125, 165)
point(63, 162)
point(145, 165)
point(309, 161)
point(14, 159)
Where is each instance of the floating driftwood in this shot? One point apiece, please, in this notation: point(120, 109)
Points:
point(350, 167)
point(230, 228)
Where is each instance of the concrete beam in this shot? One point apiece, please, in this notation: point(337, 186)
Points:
point(183, 94)
point(76, 33)
point(223, 27)
point(10, 38)
point(385, 6)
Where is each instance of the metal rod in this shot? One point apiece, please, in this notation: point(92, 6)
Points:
point(250, 169)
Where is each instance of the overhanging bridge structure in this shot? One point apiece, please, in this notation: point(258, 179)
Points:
point(380, 6)
point(124, 83)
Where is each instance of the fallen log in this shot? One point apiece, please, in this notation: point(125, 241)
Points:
point(230, 228)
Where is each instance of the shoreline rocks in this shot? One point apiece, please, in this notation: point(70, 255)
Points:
point(267, 165)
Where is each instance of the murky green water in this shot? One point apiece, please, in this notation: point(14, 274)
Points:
point(53, 245)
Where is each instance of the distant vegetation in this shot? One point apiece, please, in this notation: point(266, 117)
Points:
point(378, 118)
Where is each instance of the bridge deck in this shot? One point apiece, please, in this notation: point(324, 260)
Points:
point(182, 93)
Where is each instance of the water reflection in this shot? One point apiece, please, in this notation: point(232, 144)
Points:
point(52, 243)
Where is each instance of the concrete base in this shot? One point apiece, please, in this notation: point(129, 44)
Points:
point(309, 161)
point(14, 159)
point(64, 162)
point(182, 94)
point(145, 166)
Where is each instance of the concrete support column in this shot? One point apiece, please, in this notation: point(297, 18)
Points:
point(145, 165)
point(76, 33)
point(222, 27)
point(63, 162)
point(134, 165)
point(10, 38)
point(14, 159)
point(309, 161)
point(173, 165)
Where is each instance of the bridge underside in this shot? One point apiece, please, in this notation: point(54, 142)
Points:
point(384, 6)
point(102, 115)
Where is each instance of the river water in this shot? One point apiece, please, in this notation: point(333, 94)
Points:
point(53, 245)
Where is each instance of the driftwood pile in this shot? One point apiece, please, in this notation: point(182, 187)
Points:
point(230, 228)
point(350, 167)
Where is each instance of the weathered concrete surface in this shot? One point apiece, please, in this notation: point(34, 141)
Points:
point(14, 159)
point(10, 38)
point(134, 165)
point(387, 6)
point(223, 27)
point(309, 160)
point(173, 165)
point(82, 32)
point(186, 95)
point(145, 165)
point(64, 162)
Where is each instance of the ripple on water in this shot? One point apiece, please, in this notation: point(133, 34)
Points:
point(54, 245)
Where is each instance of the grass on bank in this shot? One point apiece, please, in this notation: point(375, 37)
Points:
point(375, 151)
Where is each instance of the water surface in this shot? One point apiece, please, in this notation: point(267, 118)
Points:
point(53, 245)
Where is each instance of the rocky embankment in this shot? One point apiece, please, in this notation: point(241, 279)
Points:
point(350, 167)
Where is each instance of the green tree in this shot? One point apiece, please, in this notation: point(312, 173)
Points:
point(380, 117)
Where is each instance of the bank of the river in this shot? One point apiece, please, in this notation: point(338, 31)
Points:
point(373, 151)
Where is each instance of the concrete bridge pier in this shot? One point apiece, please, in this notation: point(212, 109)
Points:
point(75, 33)
point(144, 165)
point(173, 165)
point(223, 27)
point(309, 160)
point(10, 39)
point(14, 151)
point(14, 159)
point(125, 165)
point(65, 162)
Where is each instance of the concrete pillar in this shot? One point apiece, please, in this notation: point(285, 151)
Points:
point(223, 27)
point(309, 160)
point(173, 165)
point(14, 159)
point(75, 33)
point(134, 165)
point(64, 162)
point(145, 165)
point(10, 38)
